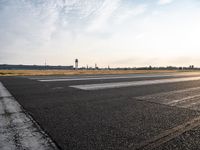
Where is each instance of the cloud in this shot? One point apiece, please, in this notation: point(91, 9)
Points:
point(140, 36)
point(103, 14)
point(34, 27)
point(164, 2)
point(28, 21)
point(133, 11)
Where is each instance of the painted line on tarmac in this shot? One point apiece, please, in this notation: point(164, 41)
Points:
point(171, 96)
point(182, 100)
point(187, 98)
point(168, 135)
point(61, 77)
point(103, 78)
point(132, 83)
point(17, 129)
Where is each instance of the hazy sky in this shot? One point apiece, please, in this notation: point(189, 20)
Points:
point(106, 32)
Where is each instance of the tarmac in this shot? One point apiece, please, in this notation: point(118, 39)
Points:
point(114, 112)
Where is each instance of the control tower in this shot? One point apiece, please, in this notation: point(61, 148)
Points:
point(76, 64)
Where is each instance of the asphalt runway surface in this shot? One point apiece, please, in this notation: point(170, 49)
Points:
point(150, 111)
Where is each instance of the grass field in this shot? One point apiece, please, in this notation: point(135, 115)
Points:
point(79, 72)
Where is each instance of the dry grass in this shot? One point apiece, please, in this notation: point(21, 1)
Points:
point(78, 72)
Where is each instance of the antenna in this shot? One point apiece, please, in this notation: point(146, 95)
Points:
point(45, 64)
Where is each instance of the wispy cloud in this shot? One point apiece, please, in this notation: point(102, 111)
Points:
point(164, 2)
point(103, 14)
point(133, 11)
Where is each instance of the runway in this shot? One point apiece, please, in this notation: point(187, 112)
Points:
point(134, 111)
point(17, 129)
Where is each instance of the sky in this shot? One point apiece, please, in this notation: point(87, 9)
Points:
point(118, 33)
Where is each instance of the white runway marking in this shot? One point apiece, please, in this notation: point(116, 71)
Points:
point(187, 98)
point(132, 83)
point(102, 78)
point(17, 129)
point(190, 105)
